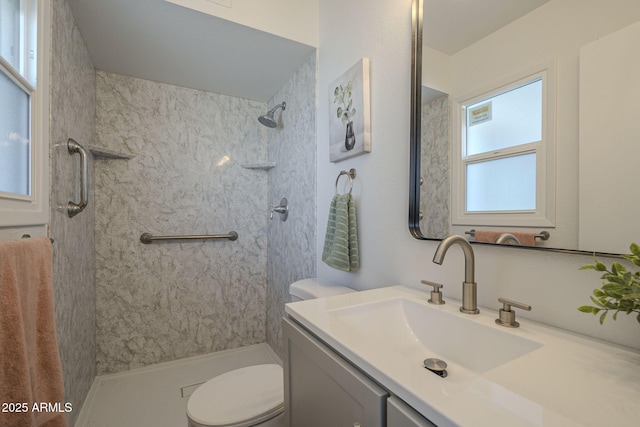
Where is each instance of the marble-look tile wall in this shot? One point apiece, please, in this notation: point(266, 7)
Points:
point(434, 201)
point(292, 243)
point(72, 115)
point(171, 300)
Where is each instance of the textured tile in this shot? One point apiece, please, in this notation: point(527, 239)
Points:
point(434, 194)
point(292, 243)
point(166, 301)
point(72, 116)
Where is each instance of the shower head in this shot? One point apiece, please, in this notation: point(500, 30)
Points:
point(268, 120)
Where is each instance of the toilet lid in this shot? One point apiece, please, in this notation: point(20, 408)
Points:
point(251, 393)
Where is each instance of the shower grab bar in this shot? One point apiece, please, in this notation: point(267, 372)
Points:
point(74, 209)
point(147, 238)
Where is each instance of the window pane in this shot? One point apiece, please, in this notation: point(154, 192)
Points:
point(10, 32)
point(506, 184)
point(15, 150)
point(506, 120)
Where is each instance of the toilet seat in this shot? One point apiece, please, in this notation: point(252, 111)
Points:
point(240, 398)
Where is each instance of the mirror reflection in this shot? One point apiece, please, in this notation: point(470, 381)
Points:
point(529, 131)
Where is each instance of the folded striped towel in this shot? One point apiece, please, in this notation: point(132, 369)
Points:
point(341, 240)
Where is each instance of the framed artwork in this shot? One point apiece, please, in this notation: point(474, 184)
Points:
point(349, 113)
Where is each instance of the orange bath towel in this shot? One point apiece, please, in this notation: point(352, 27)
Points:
point(488, 236)
point(31, 386)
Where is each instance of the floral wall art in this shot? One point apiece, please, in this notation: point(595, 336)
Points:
point(349, 115)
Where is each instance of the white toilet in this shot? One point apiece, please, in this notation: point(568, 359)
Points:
point(251, 396)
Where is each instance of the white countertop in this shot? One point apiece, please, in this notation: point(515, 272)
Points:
point(570, 380)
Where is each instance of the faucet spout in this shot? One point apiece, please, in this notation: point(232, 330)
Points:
point(469, 287)
point(469, 258)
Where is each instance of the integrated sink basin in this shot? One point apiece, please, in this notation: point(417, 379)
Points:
point(410, 327)
point(533, 375)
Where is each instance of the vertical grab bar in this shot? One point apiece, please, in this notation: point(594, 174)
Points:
point(74, 209)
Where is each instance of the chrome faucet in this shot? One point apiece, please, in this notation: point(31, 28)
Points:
point(505, 238)
point(469, 286)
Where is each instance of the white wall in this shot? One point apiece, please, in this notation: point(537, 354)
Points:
point(609, 112)
point(550, 282)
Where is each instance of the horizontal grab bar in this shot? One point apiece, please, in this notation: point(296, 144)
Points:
point(147, 238)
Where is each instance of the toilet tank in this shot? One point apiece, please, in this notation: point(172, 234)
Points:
point(315, 288)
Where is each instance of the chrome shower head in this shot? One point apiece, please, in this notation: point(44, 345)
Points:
point(268, 120)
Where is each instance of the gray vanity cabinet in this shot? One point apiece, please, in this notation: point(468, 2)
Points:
point(321, 389)
point(399, 414)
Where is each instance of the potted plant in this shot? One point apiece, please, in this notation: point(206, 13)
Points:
point(620, 290)
point(345, 111)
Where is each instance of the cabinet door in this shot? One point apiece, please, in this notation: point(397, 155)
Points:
point(400, 414)
point(321, 389)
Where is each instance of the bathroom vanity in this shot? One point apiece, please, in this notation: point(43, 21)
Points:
point(322, 388)
point(357, 360)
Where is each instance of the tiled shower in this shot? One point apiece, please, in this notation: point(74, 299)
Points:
point(121, 304)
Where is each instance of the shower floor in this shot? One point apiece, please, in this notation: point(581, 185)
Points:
point(157, 395)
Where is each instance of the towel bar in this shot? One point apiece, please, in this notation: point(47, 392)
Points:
point(28, 236)
point(544, 235)
point(147, 238)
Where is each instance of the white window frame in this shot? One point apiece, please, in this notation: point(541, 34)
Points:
point(16, 210)
point(544, 214)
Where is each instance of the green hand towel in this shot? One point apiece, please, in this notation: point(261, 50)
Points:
point(341, 240)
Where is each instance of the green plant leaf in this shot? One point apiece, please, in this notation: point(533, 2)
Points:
point(597, 302)
point(339, 112)
point(618, 268)
point(602, 317)
point(588, 309)
point(620, 290)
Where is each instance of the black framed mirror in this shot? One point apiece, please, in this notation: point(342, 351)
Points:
point(592, 206)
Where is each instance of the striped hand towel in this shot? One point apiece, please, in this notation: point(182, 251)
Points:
point(341, 241)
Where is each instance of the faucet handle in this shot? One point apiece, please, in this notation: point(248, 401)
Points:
point(282, 209)
point(507, 317)
point(436, 295)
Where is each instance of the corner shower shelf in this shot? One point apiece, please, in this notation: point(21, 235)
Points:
point(261, 166)
point(105, 153)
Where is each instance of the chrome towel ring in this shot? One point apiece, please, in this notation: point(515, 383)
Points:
point(351, 175)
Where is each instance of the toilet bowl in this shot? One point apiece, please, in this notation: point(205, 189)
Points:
point(252, 396)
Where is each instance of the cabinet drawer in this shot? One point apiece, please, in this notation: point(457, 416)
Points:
point(321, 389)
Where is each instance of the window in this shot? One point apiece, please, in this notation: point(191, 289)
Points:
point(23, 112)
point(504, 156)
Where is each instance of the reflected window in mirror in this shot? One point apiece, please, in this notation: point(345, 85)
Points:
point(592, 49)
point(501, 152)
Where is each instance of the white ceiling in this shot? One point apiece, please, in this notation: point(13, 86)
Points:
point(160, 41)
point(451, 25)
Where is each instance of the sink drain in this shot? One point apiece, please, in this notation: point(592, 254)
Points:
point(437, 366)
